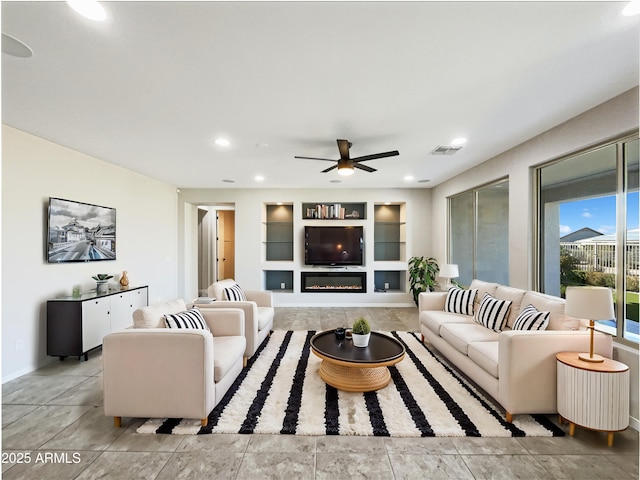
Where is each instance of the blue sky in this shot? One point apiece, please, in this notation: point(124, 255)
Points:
point(597, 213)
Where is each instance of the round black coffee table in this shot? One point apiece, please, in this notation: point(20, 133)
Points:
point(356, 369)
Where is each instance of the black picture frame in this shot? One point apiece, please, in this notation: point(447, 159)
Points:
point(79, 232)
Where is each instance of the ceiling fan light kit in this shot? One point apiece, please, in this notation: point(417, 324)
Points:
point(345, 164)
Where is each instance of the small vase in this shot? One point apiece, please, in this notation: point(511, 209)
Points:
point(124, 280)
point(360, 340)
point(102, 287)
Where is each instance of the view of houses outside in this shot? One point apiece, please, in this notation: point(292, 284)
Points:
point(588, 250)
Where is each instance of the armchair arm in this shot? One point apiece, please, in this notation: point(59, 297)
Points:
point(263, 298)
point(224, 321)
point(527, 366)
point(431, 301)
point(158, 372)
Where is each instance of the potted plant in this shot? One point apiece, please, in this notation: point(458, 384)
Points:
point(101, 282)
point(422, 275)
point(361, 332)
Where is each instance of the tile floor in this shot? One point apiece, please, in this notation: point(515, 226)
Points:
point(54, 428)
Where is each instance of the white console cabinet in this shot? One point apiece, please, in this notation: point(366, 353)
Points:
point(77, 325)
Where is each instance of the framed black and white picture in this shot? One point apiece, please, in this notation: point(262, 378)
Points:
point(80, 232)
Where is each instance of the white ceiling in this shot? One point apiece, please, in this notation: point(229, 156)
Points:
point(152, 87)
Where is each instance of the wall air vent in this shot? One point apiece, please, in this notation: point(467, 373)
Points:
point(445, 150)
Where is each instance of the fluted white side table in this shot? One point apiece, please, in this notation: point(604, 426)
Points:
point(593, 395)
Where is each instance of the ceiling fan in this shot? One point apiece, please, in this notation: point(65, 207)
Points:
point(346, 165)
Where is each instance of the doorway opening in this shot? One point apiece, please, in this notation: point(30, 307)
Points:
point(216, 245)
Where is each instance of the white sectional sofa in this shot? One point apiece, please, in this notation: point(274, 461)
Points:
point(516, 367)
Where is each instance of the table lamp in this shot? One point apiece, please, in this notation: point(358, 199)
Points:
point(449, 271)
point(592, 303)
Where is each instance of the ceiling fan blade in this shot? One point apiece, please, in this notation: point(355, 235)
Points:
point(314, 158)
point(343, 146)
point(364, 167)
point(376, 155)
point(329, 169)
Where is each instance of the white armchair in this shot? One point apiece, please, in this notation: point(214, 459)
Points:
point(258, 311)
point(154, 372)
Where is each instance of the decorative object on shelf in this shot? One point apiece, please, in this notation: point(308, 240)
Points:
point(422, 275)
point(449, 271)
point(124, 280)
point(102, 285)
point(361, 332)
point(592, 303)
point(76, 292)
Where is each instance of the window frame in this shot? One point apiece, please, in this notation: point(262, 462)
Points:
point(621, 225)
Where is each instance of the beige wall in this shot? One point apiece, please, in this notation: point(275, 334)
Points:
point(33, 170)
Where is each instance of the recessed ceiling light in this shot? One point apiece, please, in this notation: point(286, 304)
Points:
point(408, 178)
point(14, 47)
point(226, 180)
point(456, 142)
point(89, 9)
point(632, 8)
point(222, 142)
point(387, 203)
point(258, 178)
point(262, 145)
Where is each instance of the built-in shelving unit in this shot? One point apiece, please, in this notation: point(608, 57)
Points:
point(278, 246)
point(383, 275)
point(279, 233)
point(389, 247)
point(334, 211)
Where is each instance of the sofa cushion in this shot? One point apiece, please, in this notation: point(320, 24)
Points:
point(515, 296)
point(234, 293)
point(483, 287)
point(555, 306)
point(227, 351)
point(492, 312)
point(460, 335)
point(485, 355)
point(531, 319)
point(434, 319)
point(265, 315)
point(152, 316)
point(191, 319)
point(460, 301)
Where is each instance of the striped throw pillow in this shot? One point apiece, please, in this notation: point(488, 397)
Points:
point(235, 294)
point(191, 319)
point(493, 312)
point(460, 301)
point(531, 319)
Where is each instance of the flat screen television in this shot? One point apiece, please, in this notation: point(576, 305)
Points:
point(80, 232)
point(333, 245)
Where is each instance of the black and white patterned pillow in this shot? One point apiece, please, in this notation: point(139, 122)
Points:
point(234, 293)
point(460, 301)
point(530, 318)
point(191, 319)
point(492, 312)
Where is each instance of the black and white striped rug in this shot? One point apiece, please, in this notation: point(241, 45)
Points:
point(281, 392)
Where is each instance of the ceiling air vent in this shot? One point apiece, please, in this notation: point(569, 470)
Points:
point(445, 150)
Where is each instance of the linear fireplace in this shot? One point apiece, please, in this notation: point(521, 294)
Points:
point(344, 282)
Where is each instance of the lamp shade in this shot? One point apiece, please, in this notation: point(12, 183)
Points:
point(591, 303)
point(449, 270)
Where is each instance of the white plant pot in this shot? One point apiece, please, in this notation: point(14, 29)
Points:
point(360, 340)
point(102, 287)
